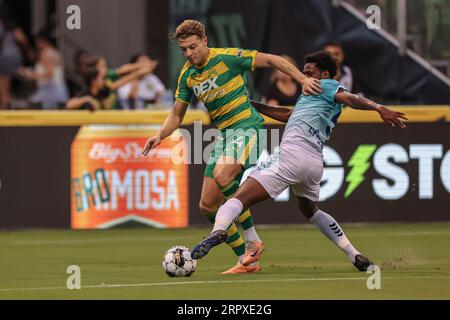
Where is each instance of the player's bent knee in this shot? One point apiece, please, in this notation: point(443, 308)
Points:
point(208, 207)
point(223, 177)
point(307, 207)
point(309, 212)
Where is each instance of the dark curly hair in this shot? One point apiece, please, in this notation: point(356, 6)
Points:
point(323, 61)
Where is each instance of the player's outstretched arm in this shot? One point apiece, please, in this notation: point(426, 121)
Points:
point(278, 113)
point(309, 85)
point(390, 117)
point(172, 122)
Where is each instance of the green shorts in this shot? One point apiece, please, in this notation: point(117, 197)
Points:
point(244, 145)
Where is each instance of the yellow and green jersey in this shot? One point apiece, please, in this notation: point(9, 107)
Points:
point(221, 85)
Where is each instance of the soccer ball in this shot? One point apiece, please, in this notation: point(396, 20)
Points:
point(177, 262)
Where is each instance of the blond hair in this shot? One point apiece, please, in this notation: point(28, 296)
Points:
point(189, 28)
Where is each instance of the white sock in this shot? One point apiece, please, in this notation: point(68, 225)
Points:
point(227, 213)
point(333, 231)
point(251, 235)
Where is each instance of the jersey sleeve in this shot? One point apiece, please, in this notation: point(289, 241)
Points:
point(112, 75)
point(183, 93)
point(240, 59)
point(330, 88)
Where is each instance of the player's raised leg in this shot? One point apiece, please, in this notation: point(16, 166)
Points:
point(228, 177)
point(210, 201)
point(333, 231)
point(228, 174)
point(244, 146)
point(251, 192)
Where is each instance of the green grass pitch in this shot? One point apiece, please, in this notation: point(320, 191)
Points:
point(299, 263)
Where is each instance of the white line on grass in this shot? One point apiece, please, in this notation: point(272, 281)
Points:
point(160, 284)
point(417, 233)
point(108, 240)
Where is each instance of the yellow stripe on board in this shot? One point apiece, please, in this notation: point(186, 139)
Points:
point(414, 114)
point(81, 117)
point(11, 118)
point(425, 113)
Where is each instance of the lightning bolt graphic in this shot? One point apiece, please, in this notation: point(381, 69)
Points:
point(360, 164)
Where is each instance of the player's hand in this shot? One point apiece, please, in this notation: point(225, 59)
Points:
point(150, 144)
point(392, 118)
point(311, 86)
point(25, 72)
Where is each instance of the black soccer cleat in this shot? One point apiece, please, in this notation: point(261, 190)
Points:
point(213, 239)
point(362, 263)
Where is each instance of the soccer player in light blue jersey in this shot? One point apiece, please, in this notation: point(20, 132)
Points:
point(299, 162)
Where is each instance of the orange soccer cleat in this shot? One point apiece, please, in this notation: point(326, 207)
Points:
point(253, 252)
point(239, 268)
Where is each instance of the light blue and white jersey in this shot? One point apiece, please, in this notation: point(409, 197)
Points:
point(314, 116)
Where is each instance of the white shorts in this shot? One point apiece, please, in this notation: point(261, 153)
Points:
point(292, 166)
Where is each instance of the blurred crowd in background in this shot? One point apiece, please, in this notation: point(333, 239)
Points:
point(33, 76)
point(35, 73)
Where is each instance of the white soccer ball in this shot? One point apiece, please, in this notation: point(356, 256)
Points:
point(177, 262)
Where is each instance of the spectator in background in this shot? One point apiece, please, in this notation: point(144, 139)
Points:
point(79, 61)
point(97, 95)
point(284, 91)
point(76, 76)
point(14, 49)
point(48, 73)
point(141, 91)
point(110, 73)
point(344, 74)
point(101, 92)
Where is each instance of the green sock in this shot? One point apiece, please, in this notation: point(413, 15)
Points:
point(245, 219)
point(235, 240)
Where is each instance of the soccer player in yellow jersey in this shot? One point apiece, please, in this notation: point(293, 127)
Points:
point(216, 76)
